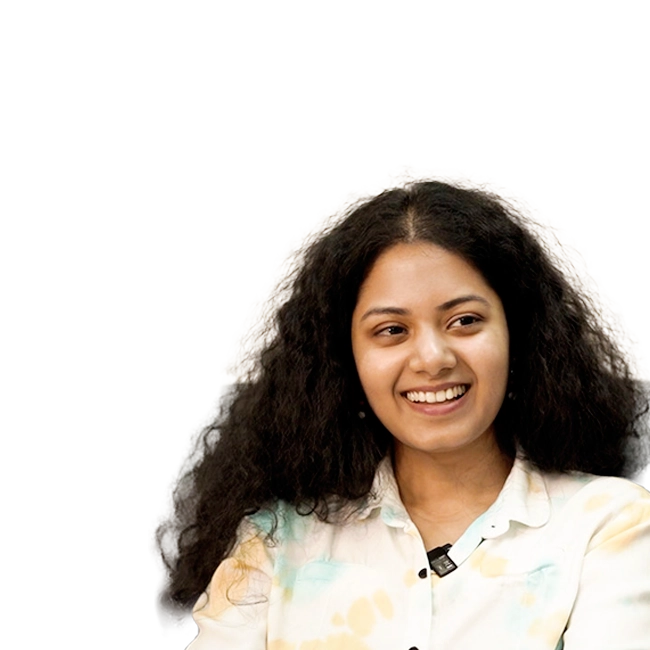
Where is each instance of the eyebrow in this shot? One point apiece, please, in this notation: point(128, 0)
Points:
point(450, 304)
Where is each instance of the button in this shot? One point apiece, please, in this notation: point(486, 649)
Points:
point(413, 648)
point(423, 573)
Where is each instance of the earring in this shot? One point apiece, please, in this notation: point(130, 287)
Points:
point(362, 413)
point(511, 393)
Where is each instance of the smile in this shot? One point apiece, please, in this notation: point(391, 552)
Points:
point(431, 397)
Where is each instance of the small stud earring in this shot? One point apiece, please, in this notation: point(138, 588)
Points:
point(362, 409)
point(511, 393)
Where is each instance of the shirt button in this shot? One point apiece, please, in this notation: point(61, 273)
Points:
point(423, 573)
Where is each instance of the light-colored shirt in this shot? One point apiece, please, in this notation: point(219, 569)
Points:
point(558, 561)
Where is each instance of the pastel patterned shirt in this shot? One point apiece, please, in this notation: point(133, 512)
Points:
point(558, 561)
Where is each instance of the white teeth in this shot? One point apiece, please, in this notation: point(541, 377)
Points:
point(439, 396)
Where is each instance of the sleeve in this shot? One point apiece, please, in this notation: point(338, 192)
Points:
point(232, 613)
point(612, 607)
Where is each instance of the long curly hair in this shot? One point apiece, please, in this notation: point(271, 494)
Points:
point(290, 430)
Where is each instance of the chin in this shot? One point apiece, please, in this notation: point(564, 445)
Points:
point(447, 444)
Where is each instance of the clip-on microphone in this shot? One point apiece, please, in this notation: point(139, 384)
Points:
point(440, 562)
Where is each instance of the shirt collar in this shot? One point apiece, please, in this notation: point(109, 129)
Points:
point(384, 496)
point(523, 499)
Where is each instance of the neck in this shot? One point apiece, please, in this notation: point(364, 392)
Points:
point(446, 484)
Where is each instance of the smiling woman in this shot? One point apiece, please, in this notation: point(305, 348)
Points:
point(425, 454)
point(431, 347)
point(447, 332)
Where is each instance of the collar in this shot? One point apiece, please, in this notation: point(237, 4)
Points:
point(523, 499)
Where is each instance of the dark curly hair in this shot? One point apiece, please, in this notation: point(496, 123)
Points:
point(290, 430)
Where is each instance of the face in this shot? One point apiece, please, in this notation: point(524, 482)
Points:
point(430, 343)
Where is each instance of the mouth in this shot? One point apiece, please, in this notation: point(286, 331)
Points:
point(437, 397)
point(427, 402)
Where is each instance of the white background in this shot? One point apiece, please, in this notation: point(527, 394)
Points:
point(161, 160)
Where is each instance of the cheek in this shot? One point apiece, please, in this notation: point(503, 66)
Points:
point(497, 366)
point(488, 358)
point(378, 371)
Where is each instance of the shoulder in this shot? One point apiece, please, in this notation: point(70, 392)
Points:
point(295, 539)
point(280, 521)
point(594, 492)
point(605, 507)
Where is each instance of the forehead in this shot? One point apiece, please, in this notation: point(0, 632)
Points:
point(417, 270)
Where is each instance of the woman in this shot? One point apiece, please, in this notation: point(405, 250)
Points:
point(417, 458)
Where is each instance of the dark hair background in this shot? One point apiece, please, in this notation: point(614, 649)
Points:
point(290, 430)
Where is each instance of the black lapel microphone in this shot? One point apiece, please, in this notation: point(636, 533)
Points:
point(439, 561)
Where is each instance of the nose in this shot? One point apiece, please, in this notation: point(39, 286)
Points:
point(432, 354)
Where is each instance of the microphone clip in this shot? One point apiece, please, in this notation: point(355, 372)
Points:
point(440, 562)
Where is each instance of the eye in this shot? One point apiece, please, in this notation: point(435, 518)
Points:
point(465, 321)
point(391, 330)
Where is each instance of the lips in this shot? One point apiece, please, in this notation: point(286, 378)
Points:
point(435, 389)
point(438, 408)
point(431, 394)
